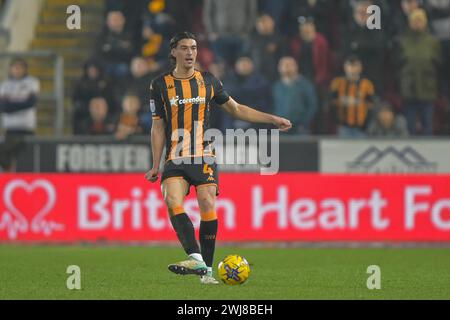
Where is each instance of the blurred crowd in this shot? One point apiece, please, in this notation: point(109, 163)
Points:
point(315, 62)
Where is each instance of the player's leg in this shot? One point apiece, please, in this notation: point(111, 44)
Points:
point(206, 196)
point(174, 190)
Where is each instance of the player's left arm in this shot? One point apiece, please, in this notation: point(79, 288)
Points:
point(245, 113)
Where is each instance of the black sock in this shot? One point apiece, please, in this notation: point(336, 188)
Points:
point(208, 232)
point(185, 231)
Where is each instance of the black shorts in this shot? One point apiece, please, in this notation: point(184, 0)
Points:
point(194, 174)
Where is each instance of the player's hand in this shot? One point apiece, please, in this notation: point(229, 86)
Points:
point(152, 175)
point(282, 124)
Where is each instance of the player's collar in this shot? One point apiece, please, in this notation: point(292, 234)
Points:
point(188, 78)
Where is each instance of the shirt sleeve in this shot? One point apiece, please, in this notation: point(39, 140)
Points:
point(370, 90)
point(156, 102)
point(220, 95)
point(334, 89)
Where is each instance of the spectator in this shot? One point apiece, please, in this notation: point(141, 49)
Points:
point(368, 45)
point(419, 60)
point(346, 9)
point(387, 124)
point(141, 77)
point(315, 60)
point(163, 18)
point(228, 24)
point(352, 99)
point(175, 11)
point(312, 52)
point(18, 98)
point(399, 21)
point(154, 46)
point(440, 25)
point(92, 84)
point(217, 68)
point(160, 21)
point(129, 121)
point(249, 87)
point(439, 11)
point(265, 47)
point(99, 122)
point(115, 46)
point(294, 96)
point(278, 10)
point(319, 10)
point(132, 11)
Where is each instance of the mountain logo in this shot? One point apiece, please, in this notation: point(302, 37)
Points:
point(391, 160)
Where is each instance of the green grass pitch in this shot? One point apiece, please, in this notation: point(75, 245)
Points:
point(140, 272)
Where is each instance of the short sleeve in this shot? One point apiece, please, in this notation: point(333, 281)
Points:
point(156, 102)
point(369, 89)
point(334, 84)
point(220, 95)
point(334, 88)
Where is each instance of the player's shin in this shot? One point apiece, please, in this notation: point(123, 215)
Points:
point(185, 231)
point(208, 233)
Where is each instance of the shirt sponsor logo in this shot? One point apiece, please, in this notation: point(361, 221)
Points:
point(176, 101)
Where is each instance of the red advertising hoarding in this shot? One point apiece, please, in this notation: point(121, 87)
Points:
point(251, 207)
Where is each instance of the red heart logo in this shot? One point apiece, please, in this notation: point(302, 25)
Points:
point(27, 206)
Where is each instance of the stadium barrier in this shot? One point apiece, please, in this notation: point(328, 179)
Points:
point(251, 207)
point(105, 154)
point(297, 154)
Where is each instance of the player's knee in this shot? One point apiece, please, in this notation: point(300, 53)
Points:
point(207, 203)
point(172, 201)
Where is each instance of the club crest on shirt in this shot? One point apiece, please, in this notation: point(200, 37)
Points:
point(200, 83)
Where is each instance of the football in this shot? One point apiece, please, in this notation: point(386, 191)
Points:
point(234, 269)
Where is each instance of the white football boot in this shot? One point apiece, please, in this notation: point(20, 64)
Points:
point(208, 278)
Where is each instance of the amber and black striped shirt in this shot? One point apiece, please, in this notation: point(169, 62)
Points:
point(184, 105)
point(352, 100)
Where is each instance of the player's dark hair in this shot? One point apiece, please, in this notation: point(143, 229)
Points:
point(174, 42)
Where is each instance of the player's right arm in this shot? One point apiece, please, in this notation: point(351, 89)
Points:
point(158, 138)
point(157, 135)
point(243, 112)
